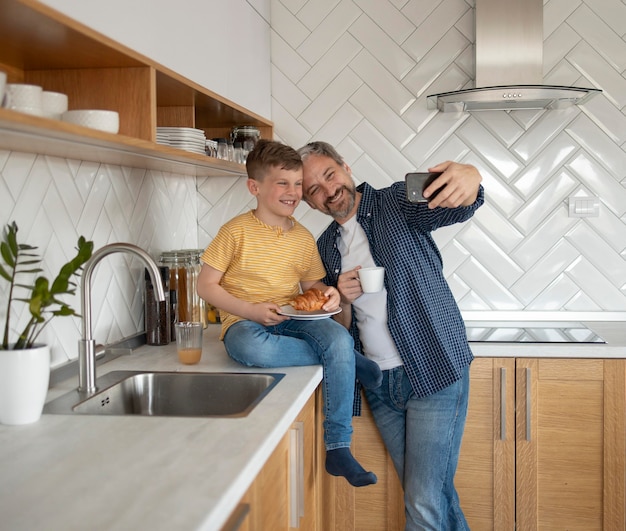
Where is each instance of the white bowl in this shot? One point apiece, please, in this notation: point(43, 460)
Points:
point(108, 121)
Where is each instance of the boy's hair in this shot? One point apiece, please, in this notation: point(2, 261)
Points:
point(322, 149)
point(268, 154)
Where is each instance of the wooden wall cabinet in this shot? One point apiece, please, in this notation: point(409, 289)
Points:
point(41, 46)
point(544, 448)
point(285, 494)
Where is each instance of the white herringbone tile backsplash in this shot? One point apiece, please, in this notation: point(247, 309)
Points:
point(356, 73)
point(54, 201)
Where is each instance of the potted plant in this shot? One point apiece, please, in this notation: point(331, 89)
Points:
point(25, 363)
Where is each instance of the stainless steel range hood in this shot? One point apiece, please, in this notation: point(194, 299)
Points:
point(509, 63)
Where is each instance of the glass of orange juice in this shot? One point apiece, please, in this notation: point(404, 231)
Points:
point(189, 342)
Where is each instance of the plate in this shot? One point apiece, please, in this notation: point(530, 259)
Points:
point(301, 315)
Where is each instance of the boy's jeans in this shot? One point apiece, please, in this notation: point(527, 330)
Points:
point(295, 342)
point(423, 438)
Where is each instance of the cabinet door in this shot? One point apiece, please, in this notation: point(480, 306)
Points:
point(485, 478)
point(304, 495)
point(285, 493)
point(268, 496)
point(569, 444)
point(378, 507)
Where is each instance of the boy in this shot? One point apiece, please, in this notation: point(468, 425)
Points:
point(258, 262)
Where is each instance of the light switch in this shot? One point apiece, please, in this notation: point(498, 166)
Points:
point(584, 207)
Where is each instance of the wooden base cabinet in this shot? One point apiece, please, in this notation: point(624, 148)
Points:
point(544, 449)
point(284, 495)
point(544, 445)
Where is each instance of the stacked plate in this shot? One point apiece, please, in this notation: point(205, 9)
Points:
point(186, 138)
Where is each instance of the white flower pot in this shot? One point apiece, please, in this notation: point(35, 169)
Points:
point(24, 378)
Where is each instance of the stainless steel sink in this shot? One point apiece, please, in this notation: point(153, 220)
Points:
point(170, 394)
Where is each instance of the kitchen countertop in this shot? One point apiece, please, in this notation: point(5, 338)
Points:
point(137, 472)
point(133, 472)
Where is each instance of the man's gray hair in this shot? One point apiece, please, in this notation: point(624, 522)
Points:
point(320, 148)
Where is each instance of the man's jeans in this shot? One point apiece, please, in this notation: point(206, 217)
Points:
point(295, 342)
point(423, 437)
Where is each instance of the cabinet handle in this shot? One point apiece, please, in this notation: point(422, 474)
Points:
point(528, 402)
point(503, 403)
point(296, 473)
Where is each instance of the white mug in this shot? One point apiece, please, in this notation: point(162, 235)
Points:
point(372, 279)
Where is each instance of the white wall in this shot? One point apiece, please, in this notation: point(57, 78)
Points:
point(222, 45)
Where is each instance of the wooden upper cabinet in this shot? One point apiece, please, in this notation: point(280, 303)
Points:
point(39, 45)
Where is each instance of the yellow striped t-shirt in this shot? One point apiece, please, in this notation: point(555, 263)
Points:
point(262, 263)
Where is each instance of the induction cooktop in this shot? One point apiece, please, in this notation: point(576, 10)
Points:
point(531, 332)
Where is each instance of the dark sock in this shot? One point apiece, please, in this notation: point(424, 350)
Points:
point(340, 462)
point(368, 372)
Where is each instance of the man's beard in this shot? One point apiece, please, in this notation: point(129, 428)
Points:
point(337, 211)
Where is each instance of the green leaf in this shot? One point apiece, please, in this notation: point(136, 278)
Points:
point(11, 238)
point(4, 274)
point(7, 255)
point(40, 296)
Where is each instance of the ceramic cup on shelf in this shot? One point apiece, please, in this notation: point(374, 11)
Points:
point(25, 98)
point(53, 104)
point(3, 85)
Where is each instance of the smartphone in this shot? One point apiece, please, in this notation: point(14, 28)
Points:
point(417, 182)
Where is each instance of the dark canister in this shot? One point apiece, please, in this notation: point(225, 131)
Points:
point(157, 313)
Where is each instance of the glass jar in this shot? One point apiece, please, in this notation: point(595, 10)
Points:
point(185, 267)
point(180, 282)
point(198, 304)
point(248, 136)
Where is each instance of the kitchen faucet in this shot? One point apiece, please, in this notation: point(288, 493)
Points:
point(87, 345)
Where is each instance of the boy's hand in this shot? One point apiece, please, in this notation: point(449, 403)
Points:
point(333, 299)
point(266, 313)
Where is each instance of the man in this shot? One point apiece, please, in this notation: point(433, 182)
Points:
point(413, 328)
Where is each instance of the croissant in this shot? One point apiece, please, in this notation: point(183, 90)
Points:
point(311, 299)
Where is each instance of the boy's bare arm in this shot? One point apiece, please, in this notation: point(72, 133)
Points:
point(210, 290)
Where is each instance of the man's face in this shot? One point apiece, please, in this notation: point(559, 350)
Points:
point(328, 186)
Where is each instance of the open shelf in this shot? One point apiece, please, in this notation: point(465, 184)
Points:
point(41, 46)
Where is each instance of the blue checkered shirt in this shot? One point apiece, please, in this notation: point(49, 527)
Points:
point(423, 317)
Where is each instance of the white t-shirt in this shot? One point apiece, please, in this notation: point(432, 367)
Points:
point(370, 309)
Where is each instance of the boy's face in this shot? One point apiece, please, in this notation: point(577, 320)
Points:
point(279, 193)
